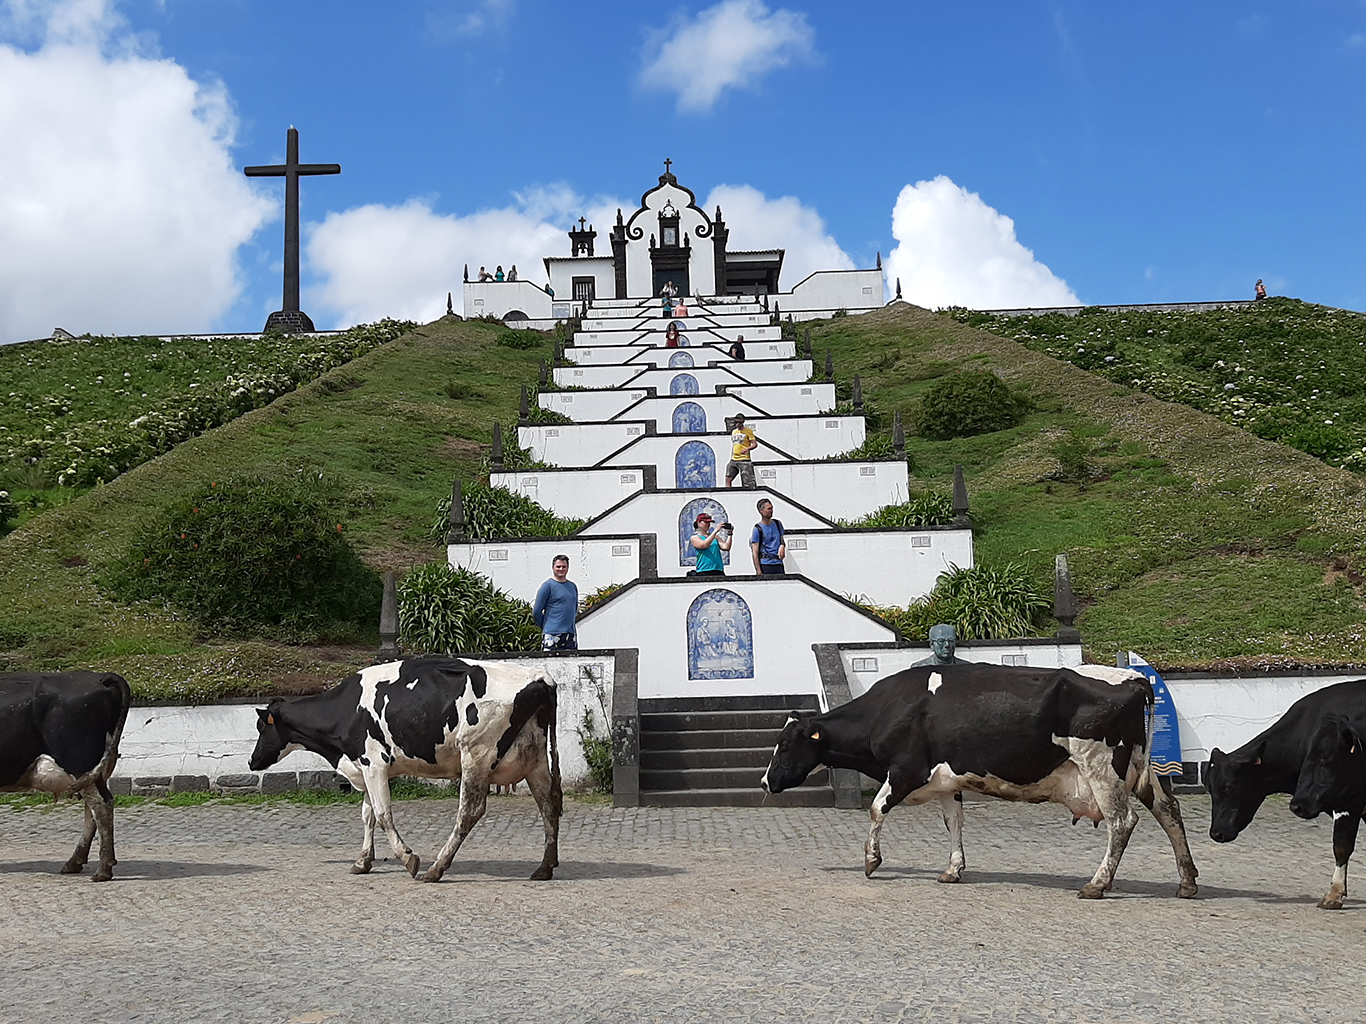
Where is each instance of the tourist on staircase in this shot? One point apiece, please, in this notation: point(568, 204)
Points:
point(709, 541)
point(556, 608)
point(766, 542)
point(742, 442)
point(671, 339)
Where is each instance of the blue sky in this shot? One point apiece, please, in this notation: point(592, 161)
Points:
point(1144, 153)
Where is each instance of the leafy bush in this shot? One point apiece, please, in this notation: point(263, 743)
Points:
point(932, 509)
point(1073, 453)
point(258, 552)
point(546, 417)
point(520, 340)
point(458, 389)
point(597, 750)
point(9, 510)
point(456, 611)
point(968, 403)
point(598, 596)
point(498, 512)
point(982, 603)
point(515, 457)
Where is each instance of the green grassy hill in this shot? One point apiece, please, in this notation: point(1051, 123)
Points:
point(1191, 541)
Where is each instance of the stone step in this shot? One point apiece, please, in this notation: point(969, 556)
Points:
point(716, 778)
point(762, 702)
point(680, 721)
point(698, 739)
point(755, 759)
point(802, 797)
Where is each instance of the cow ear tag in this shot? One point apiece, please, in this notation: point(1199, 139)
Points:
point(1258, 761)
point(270, 719)
point(816, 735)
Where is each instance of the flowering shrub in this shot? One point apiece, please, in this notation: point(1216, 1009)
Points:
point(1284, 370)
point(67, 408)
point(9, 510)
point(258, 552)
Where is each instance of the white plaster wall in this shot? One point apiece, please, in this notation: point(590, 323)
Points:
point(809, 437)
point(573, 494)
point(658, 450)
point(1227, 712)
point(788, 616)
point(863, 666)
point(658, 355)
point(838, 490)
point(217, 739)
point(519, 567)
point(495, 298)
point(661, 410)
point(615, 334)
point(701, 266)
point(883, 567)
point(588, 406)
point(829, 290)
point(578, 444)
point(563, 271)
point(798, 399)
point(658, 513)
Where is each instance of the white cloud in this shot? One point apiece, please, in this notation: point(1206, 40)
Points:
point(475, 19)
point(955, 250)
point(121, 208)
point(757, 222)
point(725, 46)
point(401, 261)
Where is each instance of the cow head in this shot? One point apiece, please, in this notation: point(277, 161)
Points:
point(272, 737)
point(1333, 763)
point(801, 747)
point(1237, 785)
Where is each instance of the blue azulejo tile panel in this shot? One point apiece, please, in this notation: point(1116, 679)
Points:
point(689, 418)
point(720, 637)
point(684, 384)
point(687, 554)
point(680, 359)
point(695, 466)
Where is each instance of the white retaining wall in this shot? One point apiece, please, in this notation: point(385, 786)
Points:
point(575, 493)
point(839, 490)
point(658, 355)
point(217, 739)
point(589, 406)
point(636, 403)
point(786, 399)
point(757, 371)
point(659, 450)
point(825, 291)
point(882, 567)
point(496, 298)
point(865, 664)
point(579, 444)
point(787, 615)
point(518, 567)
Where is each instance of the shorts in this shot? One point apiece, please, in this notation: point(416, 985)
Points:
point(559, 641)
point(772, 569)
point(744, 468)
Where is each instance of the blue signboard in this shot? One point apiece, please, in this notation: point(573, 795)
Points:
point(1166, 752)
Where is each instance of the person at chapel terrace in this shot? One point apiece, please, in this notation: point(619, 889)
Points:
point(556, 608)
point(709, 541)
point(742, 442)
point(766, 542)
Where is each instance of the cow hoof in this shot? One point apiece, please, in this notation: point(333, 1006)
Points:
point(73, 867)
point(1091, 891)
point(871, 864)
point(543, 873)
point(412, 862)
point(433, 874)
point(361, 867)
point(949, 876)
point(102, 875)
point(1186, 890)
point(1330, 904)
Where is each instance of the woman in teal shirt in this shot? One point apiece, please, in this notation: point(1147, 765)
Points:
point(709, 541)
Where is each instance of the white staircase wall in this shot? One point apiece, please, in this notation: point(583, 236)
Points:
point(881, 567)
point(519, 567)
point(659, 355)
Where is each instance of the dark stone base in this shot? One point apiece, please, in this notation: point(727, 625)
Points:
point(289, 321)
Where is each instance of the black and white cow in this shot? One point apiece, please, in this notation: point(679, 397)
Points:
point(432, 717)
point(1305, 753)
point(59, 733)
point(1080, 738)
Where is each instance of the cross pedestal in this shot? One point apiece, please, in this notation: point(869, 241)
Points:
point(290, 318)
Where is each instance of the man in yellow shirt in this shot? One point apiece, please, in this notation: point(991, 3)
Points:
point(742, 442)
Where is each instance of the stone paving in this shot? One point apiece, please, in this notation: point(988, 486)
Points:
point(247, 913)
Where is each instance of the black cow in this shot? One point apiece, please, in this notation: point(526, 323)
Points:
point(433, 717)
point(1301, 754)
point(59, 733)
point(1080, 738)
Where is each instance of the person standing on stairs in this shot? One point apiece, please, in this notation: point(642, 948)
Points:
point(556, 608)
point(709, 541)
point(742, 442)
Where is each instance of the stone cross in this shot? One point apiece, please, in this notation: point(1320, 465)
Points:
point(290, 318)
point(667, 164)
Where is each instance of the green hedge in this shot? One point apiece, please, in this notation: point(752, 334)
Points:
point(456, 611)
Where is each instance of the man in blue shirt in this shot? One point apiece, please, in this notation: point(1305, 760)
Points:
point(766, 542)
point(556, 608)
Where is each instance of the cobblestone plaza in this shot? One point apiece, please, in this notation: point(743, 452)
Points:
point(247, 913)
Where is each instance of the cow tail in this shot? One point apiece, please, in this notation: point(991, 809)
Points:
point(556, 790)
point(115, 682)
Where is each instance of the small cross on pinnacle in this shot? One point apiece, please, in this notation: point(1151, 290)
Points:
point(667, 164)
point(581, 222)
